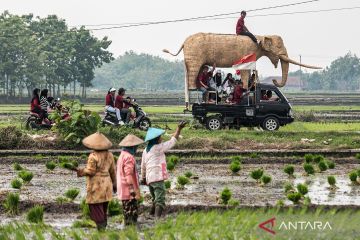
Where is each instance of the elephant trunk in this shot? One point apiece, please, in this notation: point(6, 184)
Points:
point(285, 71)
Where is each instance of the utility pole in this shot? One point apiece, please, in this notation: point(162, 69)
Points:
point(301, 83)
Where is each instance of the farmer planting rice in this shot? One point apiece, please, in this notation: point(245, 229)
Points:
point(100, 174)
point(153, 166)
point(127, 178)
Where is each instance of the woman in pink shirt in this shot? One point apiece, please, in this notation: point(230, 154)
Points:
point(127, 178)
point(153, 166)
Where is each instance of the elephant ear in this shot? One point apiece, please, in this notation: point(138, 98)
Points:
point(266, 43)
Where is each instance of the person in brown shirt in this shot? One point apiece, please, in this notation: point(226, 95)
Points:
point(100, 177)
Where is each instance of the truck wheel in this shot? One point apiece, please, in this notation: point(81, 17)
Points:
point(271, 124)
point(214, 123)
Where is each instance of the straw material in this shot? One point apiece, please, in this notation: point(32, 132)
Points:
point(97, 141)
point(130, 140)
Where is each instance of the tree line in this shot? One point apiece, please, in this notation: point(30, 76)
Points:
point(45, 53)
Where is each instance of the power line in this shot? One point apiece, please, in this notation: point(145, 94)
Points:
point(169, 21)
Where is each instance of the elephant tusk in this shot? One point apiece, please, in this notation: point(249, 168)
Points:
point(285, 58)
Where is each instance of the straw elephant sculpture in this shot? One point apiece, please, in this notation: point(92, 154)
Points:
point(225, 49)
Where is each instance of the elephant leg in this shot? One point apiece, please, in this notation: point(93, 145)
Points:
point(192, 73)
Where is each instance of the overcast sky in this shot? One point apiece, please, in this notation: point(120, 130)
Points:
point(318, 37)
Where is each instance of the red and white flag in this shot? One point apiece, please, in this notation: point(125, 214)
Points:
point(248, 62)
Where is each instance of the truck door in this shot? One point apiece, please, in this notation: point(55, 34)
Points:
point(270, 101)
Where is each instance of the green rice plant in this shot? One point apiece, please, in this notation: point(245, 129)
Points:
point(69, 164)
point(294, 197)
point(11, 203)
point(302, 189)
point(318, 158)
point(72, 193)
point(254, 155)
point(84, 223)
point(114, 207)
point(63, 159)
point(85, 210)
point(38, 156)
point(257, 174)
point(51, 165)
point(26, 176)
point(289, 169)
point(353, 176)
point(182, 180)
point(331, 181)
point(309, 168)
point(61, 200)
point(280, 203)
point(170, 165)
point(358, 172)
point(225, 196)
point(357, 156)
point(85, 157)
point(265, 179)
point(307, 201)
point(17, 167)
point(288, 187)
point(188, 174)
point(35, 214)
point(309, 158)
point(173, 158)
point(167, 184)
point(235, 166)
point(141, 200)
point(16, 183)
point(322, 166)
point(233, 202)
point(330, 164)
point(236, 158)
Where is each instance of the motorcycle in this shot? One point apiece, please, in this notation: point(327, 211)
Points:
point(139, 119)
point(35, 122)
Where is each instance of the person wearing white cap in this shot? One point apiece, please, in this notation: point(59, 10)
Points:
point(127, 178)
point(110, 104)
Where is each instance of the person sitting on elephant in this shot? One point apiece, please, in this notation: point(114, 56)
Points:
point(202, 81)
point(241, 29)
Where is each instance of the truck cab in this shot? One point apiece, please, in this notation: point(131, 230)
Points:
point(265, 107)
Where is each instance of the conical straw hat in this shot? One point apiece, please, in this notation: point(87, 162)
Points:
point(153, 133)
point(130, 140)
point(97, 141)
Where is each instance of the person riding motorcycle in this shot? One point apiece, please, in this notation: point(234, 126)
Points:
point(120, 102)
point(35, 104)
point(45, 105)
point(110, 105)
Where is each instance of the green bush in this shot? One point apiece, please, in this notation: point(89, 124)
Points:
point(225, 196)
point(309, 158)
point(35, 214)
point(17, 167)
point(16, 183)
point(322, 166)
point(331, 180)
point(353, 176)
point(265, 179)
point(294, 197)
point(167, 184)
point(330, 164)
point(188, 174)
point(302, 189)
point(173, 158)
point(257, 174)
point(288, 187)
point(235, 166)
point(26, 176)
point(233, 202)
point(11, 203)
point(72, 193)
point(114, 207)
point(289, 169)
point(81, 124)
point(51, 165)
point(12, 137)
point(309, 168)
point(170, 165)
point(318, 158)
point(182, 180)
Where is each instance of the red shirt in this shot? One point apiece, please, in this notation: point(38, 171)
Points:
point(119, 102)
point(109, 100)
point(35, 105)
point(240, 25)
point(202, 79)
point(238, 92)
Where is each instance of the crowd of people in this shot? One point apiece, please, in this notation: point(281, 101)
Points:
point(104, 177)
point(214, 89)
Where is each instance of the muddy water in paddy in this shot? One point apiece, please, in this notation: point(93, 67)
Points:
point(212, 178)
